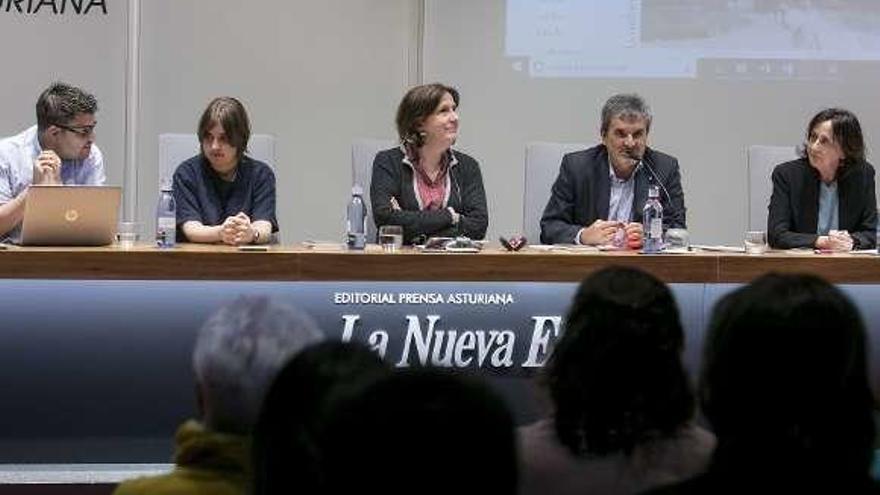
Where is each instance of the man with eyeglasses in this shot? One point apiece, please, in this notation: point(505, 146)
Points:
point(58, 150)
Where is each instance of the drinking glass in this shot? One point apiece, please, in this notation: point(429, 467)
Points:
point(755, 242)
point(391, 238)
point(128, 234)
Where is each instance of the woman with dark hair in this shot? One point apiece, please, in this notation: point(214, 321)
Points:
point(424, 185)
point(825, 199)
point(223, 195)
point(286, 450)
point(623, 406)
point(784, 384)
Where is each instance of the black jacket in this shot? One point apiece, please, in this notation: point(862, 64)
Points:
point(394, 178)
point(794, 206)
point(582, 190)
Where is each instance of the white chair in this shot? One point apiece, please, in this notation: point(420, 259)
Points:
point(761, 161)
point(175, 148)
point(363, 151)
point(541, 168)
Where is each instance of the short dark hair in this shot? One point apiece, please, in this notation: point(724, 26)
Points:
point(784, 377)
point(846, 130)
point(625, 106)
point(232, 117)
point(616, 376)
point(417, 420)
point(417, 104)
point(287, 433)
point(60, 103)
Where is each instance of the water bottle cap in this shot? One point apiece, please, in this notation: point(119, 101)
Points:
point(357, 190)
point(165, 185)
point(653, 191)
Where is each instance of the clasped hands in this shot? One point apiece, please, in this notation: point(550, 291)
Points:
point(47, 169)
point(237, 230)
point(603, 233)
point(836, 241)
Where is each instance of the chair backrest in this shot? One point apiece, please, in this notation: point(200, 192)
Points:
point(363, 151)
point(175, 148)
point(761, 161)
point(541, 168)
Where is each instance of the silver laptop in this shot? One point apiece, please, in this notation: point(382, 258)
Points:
point(70, 215)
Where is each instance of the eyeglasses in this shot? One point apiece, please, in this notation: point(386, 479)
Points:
point(84, 131)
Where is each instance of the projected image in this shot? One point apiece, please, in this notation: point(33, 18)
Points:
point(691, 38)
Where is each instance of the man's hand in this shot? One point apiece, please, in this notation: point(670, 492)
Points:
point(634, 235)
point(237, 230)
point(836, 240)
point(840, 241)
point(47, 168)
point(599, 233)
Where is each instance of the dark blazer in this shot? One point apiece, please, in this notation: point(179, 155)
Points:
point(394, 178)
point(582, 191)
point(793, 215)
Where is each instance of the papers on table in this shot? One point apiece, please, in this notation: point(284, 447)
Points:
point(719, 248)
point(568, 248)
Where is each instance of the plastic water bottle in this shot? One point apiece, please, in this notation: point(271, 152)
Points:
point(166, 217)
point(356, 219)
point(652, 222)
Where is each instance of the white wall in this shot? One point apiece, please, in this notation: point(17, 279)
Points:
point(706, 124)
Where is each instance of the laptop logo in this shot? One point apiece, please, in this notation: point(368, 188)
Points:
point(71, 215)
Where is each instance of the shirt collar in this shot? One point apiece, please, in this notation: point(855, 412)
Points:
point(453, 160)
point(213, 173)
point(612, 175)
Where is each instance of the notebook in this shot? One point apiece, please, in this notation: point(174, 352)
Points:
point(70, 215)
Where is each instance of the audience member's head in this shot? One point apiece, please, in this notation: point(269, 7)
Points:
point(237, 354)
point(615, 376)
point(784, 380)
point(286, 437)
point(421, 431)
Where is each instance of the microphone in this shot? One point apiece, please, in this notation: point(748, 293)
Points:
point(653, 177)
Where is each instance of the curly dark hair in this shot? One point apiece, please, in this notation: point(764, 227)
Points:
point(616, 376)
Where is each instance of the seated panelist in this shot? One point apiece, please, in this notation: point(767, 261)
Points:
point(598, 196)
point(223, 195)
point(60, 149)
point(424, 185)
point(825, 199)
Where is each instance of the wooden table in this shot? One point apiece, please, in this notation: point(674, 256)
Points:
point(300, 263)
